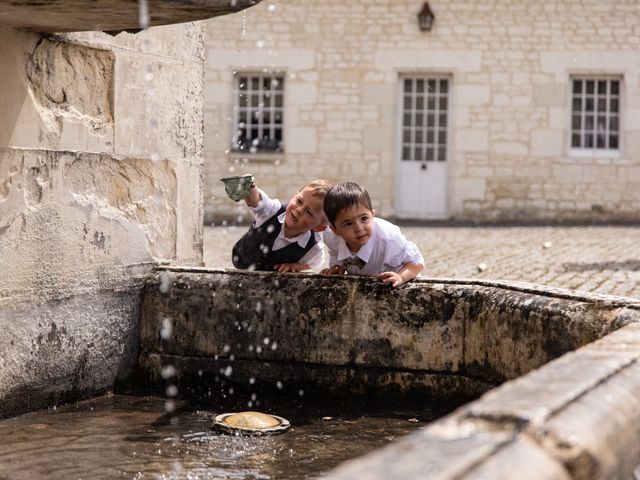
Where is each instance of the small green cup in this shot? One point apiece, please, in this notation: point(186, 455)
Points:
point(238, 187)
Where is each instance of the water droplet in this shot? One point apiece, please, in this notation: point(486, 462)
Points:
point(143, 14)
point(279, 385)
point(171, 391)
point(301, 392)
point(165, 282)
point(226, 349)
point(266, 340)
point(168, 371)
point(260, 44)
point(166, 329)
point(271, 8)
point(148, 76)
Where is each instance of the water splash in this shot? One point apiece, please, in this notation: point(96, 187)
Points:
point(143, 14)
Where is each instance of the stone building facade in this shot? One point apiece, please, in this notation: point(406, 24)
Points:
point(506, 110)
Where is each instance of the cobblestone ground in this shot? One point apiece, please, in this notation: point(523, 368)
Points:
point(594, 259)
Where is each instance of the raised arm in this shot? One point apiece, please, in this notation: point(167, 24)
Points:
point(254, 196)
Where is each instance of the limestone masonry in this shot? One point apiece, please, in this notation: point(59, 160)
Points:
point(510, 68)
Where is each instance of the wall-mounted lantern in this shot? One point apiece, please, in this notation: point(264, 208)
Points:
point(425, 17)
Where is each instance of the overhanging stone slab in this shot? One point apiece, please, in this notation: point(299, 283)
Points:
point(109, 15)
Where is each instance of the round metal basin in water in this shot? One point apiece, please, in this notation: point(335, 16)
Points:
point(251, 423)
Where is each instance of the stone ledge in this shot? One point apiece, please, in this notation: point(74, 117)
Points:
point(594, 432)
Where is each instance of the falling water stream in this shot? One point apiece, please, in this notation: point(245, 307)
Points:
point(133, 436)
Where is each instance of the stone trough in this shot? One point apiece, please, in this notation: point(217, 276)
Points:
point(557, 372)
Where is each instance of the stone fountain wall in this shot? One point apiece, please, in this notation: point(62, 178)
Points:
point(444, 338)
point(100, 180)
point(567, 407)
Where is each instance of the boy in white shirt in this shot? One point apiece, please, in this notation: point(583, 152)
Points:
point(284, 236)
point(364, 245)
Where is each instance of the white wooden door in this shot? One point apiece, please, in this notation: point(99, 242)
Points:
point(421, 173)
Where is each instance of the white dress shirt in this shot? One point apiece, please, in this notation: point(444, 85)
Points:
point(267, 207)
point(386, 251)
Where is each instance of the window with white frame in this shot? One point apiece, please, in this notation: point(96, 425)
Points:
point(258, 113)
point(595, 113)
point(425, 107)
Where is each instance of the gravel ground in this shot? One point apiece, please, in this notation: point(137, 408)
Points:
point(602, 259)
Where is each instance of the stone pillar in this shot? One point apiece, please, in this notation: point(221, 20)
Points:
point(100, 180)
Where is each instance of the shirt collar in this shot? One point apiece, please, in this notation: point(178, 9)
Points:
point(301, 239)
point(364, 253)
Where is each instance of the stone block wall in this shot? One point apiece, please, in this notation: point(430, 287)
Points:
point(510, 65)
point(101, 143)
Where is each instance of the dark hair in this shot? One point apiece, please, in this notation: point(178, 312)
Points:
point(343, 196)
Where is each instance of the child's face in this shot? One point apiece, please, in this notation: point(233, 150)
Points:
point(355, 226)
point(304, 212)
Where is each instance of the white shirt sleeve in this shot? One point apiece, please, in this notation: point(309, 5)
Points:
point(331, 240)
point(405, 252)
point(267, 207)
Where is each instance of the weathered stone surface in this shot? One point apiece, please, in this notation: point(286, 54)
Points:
point(200, 375)
point(521, 459)
point(354, 333)
point(533, 399)
point(88, 203)
point(598, 435)
point(451, 451)
point(59, 210)
point(486, 333)
point(591, 432)
point(442, 451)
point(79, 15)
point(72, 81)
point(60, 350)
